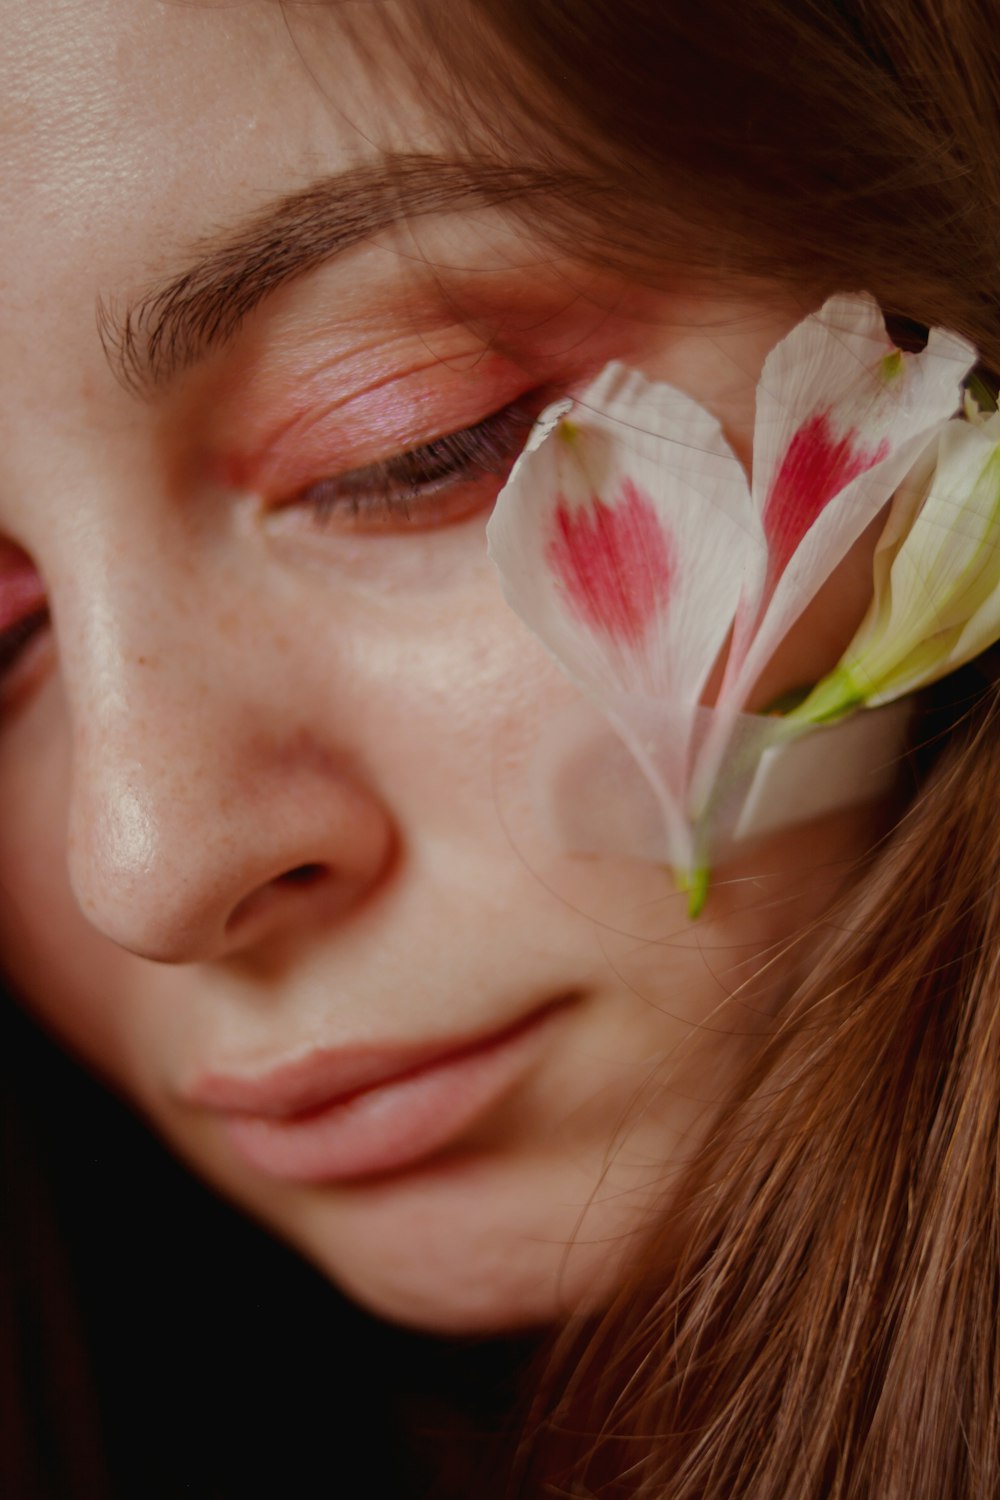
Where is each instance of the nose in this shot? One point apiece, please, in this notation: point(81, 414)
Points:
point(214, 803)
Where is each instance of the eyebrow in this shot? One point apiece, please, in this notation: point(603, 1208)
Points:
point(171, 326)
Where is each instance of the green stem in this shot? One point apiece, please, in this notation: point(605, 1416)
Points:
point(831, 698)
point(694, 883)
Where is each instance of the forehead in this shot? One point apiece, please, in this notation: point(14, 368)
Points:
point(130, 129)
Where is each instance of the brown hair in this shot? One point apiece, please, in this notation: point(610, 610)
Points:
point(830, 1328)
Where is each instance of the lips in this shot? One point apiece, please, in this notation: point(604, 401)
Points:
point(357, 1112)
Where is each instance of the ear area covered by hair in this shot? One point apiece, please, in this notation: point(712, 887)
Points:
point(630, 540)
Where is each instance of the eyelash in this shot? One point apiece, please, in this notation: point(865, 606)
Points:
point(401, 490)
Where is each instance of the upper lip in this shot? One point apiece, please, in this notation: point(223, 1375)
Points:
point(326, 1076)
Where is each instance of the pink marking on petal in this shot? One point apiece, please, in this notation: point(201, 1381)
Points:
point(614, 563)
point(815, 468)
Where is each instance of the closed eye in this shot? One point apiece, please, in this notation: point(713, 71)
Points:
point(438, 483)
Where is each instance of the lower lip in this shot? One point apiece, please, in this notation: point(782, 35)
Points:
point(396, 1124)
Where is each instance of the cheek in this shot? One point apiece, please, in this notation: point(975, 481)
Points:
point(462, 690)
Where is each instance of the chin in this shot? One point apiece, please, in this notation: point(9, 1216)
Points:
point(477, 1242)
point(464, 1249)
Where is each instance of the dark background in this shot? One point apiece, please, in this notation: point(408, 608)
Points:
point(154, 1344)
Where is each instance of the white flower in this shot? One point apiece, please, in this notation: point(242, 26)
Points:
point(937, 576)
point(630, 541)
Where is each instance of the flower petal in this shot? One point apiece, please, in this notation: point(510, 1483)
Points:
point(622, 539)
point(841, 416)
point(615, 564)
point(593, 796)
point(937, 577)
point(825, 770)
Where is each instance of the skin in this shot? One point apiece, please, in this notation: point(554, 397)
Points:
point(230, 692)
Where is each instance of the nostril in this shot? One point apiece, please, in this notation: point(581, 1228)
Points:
point(301, 875)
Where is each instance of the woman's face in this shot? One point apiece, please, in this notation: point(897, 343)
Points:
point(266, 842)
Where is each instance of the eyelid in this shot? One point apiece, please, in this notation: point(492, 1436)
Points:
point(436, 485)
point(337, 428)
point(486, 446)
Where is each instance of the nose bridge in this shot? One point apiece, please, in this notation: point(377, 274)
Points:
point(146, 687)
point(131, 617)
